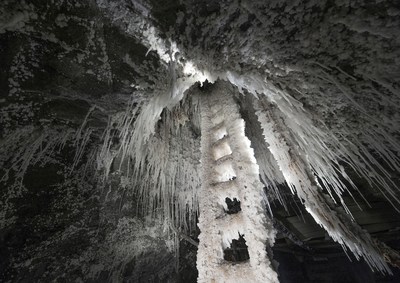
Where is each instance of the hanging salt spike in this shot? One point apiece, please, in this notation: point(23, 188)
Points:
point(230, 200)
point(338, 224)
point(165, 164)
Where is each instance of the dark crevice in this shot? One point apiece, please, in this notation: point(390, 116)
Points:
point(233, 205)
point(238, 251)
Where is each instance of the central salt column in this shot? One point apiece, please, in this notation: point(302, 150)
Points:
point(234, 229)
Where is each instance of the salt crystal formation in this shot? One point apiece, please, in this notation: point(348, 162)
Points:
point(229, 170)
point(318, 79)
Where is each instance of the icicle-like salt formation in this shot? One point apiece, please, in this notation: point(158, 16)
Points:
point(322, 149)
point(21, 150)
point(154, 158)
point(161, 163)
point(299, 177)
point(158, 153)
point(230, 171)
point(270, 174)
point(33, 146)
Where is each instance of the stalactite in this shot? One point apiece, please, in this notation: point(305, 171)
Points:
point(159, 156)
point(270, 174)
point(323, 149)
point(298, 175)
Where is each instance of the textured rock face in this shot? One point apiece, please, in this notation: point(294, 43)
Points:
point(57, 223)
point(60, 220)
point(342, 54)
